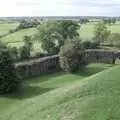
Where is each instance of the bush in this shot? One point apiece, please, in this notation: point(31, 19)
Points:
point(11, 31)
point(14, 53)
point(29, 23)
point(24, 53)
point(90, 45)
point(9, 82)
point(71, 57)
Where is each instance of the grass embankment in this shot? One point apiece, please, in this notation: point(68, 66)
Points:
point(62, 96)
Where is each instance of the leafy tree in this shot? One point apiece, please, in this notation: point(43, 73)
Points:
point(14, 53)
point(71, 56)
point(101, 33)
point(68, 29)
point(9, 82)
point(25, 51)
point(90, 44)
point(53, 34)
point(2, 46)
point(113, 20)
point(28, 42)
point(28, 23)
point(114, 39)
point(109, 20)
point(83, 21)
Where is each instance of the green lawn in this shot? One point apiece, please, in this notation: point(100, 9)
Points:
point(47, 95)
point(5, 27)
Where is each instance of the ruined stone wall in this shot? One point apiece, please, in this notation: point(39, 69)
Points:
point(51, 64)
point(38, 66)
point(101, 56)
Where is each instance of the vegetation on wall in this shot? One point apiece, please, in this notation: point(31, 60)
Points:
point(71, 56)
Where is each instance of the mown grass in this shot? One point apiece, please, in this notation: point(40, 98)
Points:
point(41, 95)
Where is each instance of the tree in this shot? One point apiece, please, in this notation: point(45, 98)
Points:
point(114, 39)
point(14, 53)
point(25, 51)
point(101, 33)
point(71, 56)
point(53, 34)
point(83, 21)
point(113, 20)
point(28, 23)
point(68, 29)
point(9, 82)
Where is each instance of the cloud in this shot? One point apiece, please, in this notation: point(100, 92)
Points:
point(59, 8)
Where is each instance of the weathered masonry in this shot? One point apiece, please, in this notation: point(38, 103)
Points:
point(104, 56)
point(37, 66)
point(49, 64)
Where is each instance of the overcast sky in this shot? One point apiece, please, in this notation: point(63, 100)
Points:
point(59, 8)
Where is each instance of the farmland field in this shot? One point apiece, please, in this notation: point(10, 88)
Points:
point(16, 39)
point(18, 36)
point(87, 30)
point(5, 27)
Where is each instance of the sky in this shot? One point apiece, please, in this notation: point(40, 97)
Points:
point(59, 8)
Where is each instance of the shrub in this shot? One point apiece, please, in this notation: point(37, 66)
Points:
point(24, 53)
point(29, 23)
point(14, 53)
point(71, 57)
point(9, 82)
point(90, 45)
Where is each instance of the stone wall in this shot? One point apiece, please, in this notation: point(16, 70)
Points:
point(100, 56)
point(38, 66)
point(51, 64)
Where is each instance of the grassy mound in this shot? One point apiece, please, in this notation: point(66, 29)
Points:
point(93, 98)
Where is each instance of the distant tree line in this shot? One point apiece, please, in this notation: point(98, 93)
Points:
point(109, 20)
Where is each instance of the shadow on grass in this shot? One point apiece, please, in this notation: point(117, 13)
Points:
point(30, 89)
point(91, 70)
point(28, 92)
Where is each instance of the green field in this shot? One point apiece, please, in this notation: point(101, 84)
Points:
point(18, 36)
point(92, 94)
point(58, 95)
point(5, 27)
point(16, 39)
point(87, 30)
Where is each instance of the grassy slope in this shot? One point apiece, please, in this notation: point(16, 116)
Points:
point(18, 36)
point(57, 104)
point(5, 27)
point(16, 39)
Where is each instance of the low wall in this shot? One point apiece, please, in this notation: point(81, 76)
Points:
point(38, 66)
point(50, 64)
point(101, 56)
